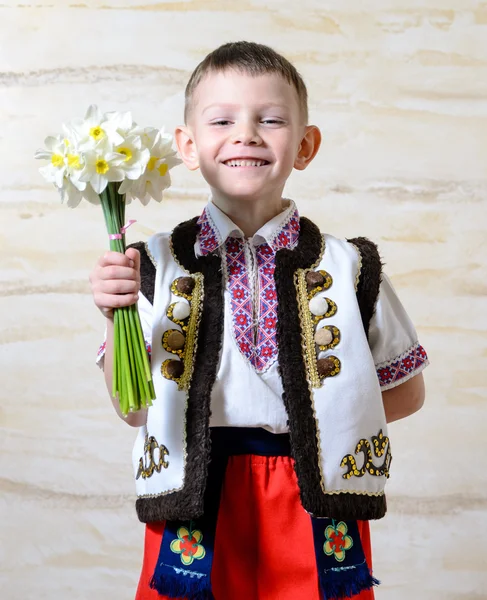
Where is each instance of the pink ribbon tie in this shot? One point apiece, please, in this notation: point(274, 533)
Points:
point(118, 236)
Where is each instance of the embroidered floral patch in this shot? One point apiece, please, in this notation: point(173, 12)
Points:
point(337, 541)
point(402, 366)
point(188, 545)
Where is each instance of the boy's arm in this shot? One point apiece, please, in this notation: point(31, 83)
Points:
point(405, 399)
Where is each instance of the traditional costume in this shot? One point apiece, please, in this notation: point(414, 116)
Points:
point(266, 451)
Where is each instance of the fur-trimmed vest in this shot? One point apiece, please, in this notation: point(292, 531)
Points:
point(337, 425)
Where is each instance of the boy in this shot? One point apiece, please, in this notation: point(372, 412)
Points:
point(278, 356)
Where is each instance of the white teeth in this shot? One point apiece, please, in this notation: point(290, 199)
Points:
point(245, 163)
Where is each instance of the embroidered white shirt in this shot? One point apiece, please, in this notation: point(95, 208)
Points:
point(248, 389)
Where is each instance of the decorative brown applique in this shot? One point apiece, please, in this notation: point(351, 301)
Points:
point(183, 286)
point(183, 323)
point(183, 343)
point(312, 310)
point(317, 281)
point(154, 458)
point(328, 367)
point(173, 341)
point(380, 442)
point(327, 337)
point(330, 310)
point(172, 369)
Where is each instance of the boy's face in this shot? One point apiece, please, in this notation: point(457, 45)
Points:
point(236, 117)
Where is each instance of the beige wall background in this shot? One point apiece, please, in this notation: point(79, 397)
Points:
point(399, 90)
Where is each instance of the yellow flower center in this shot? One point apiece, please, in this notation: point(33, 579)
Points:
point(152, 163)
point(57, 160)
point(97, 133)
point(102, 166)
point(126, 152)
point(74, 161)
point(163, 169)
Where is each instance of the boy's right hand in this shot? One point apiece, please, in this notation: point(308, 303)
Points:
point(115, 280)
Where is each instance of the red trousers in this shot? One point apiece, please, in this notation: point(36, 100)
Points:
point(264, 540)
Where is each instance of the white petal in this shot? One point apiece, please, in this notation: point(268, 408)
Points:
point(125, 186)
point(94, 114)
point(91, 195)
point(48, 173)
point(74, 198)
point(43, 154)
point(59, 177)
point(115, 175)
point(98, 183)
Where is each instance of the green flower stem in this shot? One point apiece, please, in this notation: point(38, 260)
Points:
point(127, 374)
point(132, 380)
point(141, 340)
point(135, 405)
point(139, 357)
point(116, 359)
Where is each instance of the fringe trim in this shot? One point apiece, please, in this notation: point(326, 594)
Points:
point(337, 584)
point(184, 587)
point(345, 506)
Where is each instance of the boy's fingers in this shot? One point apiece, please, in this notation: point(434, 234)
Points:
point(109, 301)
point(133, 255)
point(116, 272)
point(120, 286)
point(114, 258)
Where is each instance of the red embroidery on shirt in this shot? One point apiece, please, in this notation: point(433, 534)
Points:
point(262, 351)
point(403, 366)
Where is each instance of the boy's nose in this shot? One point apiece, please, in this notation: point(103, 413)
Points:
point(247, 135)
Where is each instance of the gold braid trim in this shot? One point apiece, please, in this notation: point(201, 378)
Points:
point(359, 265)
point(192, 333)
point(307, 328)
point(304, 316)
point(149, 254)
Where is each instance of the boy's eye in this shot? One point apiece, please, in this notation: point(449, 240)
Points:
point(221, 122)
point(272, 121)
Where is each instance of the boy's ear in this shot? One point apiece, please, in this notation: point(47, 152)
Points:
point(186, 147)
point(309, 146)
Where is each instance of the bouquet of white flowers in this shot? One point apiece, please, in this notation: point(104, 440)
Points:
point(88, 161)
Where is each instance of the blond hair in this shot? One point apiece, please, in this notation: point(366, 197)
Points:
point(250, 58)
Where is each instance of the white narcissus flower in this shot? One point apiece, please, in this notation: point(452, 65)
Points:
point(155, 178)
point(97, 127)
point(136, 156)
point(101, 166)
point(65, 166)
point(103, 148)
point(55, 154)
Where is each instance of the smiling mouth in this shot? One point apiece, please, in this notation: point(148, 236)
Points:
point(246, 163)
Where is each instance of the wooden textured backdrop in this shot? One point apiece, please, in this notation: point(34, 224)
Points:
point(400, 92)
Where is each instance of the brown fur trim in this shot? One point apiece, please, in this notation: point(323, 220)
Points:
point(188, 502)
point(370, 279)
point(147, 272)
point(297, 394)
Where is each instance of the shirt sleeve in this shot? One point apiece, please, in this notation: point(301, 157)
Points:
point(397, 353)
point(145, 313)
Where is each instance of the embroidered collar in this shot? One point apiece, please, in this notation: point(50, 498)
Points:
point(215, 228)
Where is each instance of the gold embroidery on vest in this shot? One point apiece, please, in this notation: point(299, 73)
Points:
point(191, 289)
point(308, 284)
point(380, 442)
point(150, 464)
